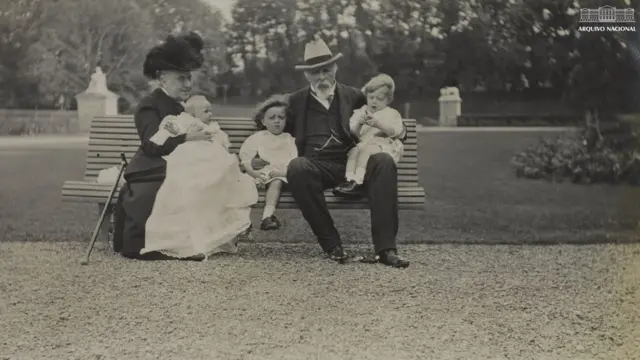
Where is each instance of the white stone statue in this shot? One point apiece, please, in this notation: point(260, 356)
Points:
point(450, 106)
point(96, 100)
point(98, 83)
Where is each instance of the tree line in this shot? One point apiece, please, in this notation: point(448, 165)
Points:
point(50, 47)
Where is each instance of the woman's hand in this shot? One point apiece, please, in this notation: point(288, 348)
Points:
point(172, 128)
point(198, 135)
point(197, 126)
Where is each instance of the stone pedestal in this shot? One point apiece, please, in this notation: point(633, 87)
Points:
point(450, 106)
point(97, 100)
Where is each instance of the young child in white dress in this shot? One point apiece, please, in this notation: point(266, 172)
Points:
point(204, 203)
point(377, 127)
point(271, 144)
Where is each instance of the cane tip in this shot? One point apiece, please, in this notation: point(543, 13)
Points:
point(84, 262)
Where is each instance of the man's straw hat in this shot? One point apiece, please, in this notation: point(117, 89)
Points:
point(317, 54)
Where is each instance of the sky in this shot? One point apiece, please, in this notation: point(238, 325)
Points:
point(224, 5)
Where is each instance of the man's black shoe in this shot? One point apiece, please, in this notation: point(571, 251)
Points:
point(337, 254)
point(390, 258)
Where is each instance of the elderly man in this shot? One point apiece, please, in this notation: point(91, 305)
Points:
point(320, 125)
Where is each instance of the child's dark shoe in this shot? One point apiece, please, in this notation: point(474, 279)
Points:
point(270, 223)
point(338, 188)
point(349, 189)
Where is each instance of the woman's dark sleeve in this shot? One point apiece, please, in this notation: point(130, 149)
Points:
point(147, 121)
point(360, 100)
point(406, 133)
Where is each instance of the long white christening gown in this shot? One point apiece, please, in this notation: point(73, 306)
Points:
point(204, 202)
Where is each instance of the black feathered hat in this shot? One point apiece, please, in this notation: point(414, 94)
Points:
point(178, 53)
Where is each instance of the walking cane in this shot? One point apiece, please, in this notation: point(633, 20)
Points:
point(123, 164)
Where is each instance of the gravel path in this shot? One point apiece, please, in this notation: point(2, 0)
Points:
point(454, 302)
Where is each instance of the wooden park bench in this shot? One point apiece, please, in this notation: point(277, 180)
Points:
point(112, 135)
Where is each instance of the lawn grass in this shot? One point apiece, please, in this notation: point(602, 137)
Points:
point(472, 197)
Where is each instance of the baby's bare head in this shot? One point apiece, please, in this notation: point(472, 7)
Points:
point(200, 107)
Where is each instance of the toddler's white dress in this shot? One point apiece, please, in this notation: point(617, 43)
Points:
point(368, 135)
point(278, 150)
point(204, 202)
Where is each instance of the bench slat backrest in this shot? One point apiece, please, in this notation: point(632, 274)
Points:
point(111, 135)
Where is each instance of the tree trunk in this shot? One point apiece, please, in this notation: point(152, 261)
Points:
point(596, 118)
point(592, 122)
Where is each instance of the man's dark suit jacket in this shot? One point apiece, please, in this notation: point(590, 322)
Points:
point(349, 99)
point(147, 163)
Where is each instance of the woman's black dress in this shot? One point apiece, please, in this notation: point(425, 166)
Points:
point(144, 175)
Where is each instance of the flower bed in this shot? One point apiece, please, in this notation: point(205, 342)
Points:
point(583, 158)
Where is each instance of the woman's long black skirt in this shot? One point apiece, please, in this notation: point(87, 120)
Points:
point(132, 210)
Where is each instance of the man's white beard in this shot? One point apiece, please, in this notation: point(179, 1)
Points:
point(324, 92)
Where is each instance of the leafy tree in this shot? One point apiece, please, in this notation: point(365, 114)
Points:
point(345, 26)
point(600, 74)
point(547, 29)
point(78, 35)
point(262, 43)
point(176, 16)
point(20, 25)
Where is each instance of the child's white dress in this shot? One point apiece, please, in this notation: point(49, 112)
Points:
point(368, 135)
point(278, 150)
point(204, 201)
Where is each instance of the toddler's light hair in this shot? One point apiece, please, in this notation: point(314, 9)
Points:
point(192, 104)
point(378, 81)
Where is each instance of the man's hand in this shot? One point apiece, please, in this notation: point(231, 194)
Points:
point(198, 135)
point(258, 164)
point(277, 173)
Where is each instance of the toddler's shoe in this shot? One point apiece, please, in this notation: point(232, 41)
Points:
point(337, 191)
point(349, 189)
point(270, 223)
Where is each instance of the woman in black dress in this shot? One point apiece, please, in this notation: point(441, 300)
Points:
point(170, 64)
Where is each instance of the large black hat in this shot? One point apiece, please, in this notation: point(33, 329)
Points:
point(178, 53)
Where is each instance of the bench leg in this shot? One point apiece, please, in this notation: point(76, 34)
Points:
point(106, 228)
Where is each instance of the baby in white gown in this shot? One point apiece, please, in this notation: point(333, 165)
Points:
point(205, 201)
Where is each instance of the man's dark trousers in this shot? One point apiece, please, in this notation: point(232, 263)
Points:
point(308, 178)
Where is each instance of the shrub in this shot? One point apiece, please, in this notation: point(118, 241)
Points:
point(584, 157)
